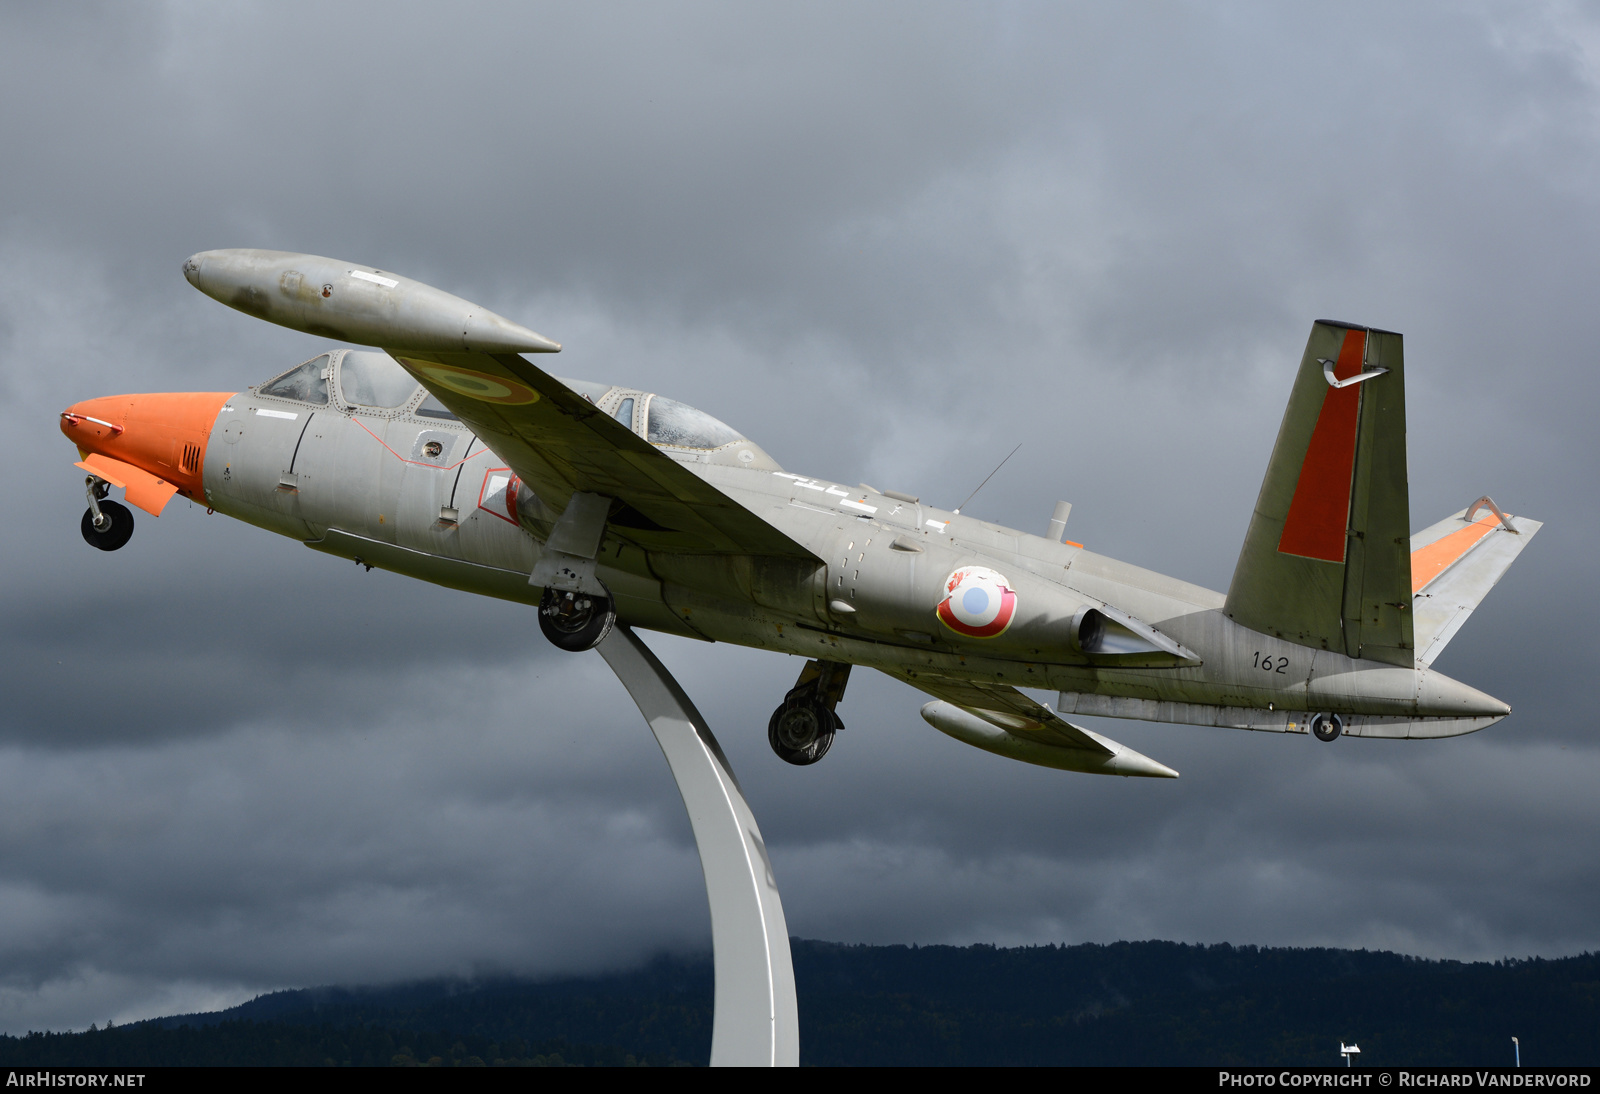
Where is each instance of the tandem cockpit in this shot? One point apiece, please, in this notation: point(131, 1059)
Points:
point(372, 383)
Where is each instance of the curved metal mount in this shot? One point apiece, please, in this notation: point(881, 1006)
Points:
point(757, 1020)
point(1486, 502)
point(1334, 382)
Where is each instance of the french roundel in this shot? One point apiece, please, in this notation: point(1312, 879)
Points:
point(477, 385)
point(978, 603)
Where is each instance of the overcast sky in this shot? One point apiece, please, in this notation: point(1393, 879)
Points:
point(887, 242)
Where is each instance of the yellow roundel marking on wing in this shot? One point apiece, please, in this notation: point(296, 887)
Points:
point(479, 385)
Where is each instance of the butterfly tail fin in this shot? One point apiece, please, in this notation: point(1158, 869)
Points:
point(1326, 561)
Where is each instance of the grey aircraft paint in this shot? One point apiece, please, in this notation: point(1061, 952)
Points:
point(961, 608)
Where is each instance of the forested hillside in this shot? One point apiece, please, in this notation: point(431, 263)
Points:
point(1128, 1003)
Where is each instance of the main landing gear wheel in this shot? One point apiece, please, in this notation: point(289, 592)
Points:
point(1327, 727)
point(801, 733)
point(114, 529)
point(575, 621)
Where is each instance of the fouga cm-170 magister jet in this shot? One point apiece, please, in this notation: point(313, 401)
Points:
point(448, 456)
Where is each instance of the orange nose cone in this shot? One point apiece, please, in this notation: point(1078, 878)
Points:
point(164, 435)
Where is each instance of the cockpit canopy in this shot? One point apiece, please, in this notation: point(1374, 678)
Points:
point(369, 382)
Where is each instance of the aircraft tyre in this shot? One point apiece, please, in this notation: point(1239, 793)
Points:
point(802, 733)
point(118, 529)
point(576, 621)
point(1327, 727)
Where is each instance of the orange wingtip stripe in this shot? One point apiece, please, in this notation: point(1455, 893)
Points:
point(1429, 562)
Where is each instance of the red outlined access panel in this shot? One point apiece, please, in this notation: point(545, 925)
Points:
point(498, 495)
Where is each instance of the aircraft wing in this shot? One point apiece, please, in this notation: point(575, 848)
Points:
point(1002, 720)
point(560, 444)
point(553, 438)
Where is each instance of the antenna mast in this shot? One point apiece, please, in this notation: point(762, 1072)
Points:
point(957, 510)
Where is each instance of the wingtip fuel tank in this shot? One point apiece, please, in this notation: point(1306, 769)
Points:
point(352, 303)
point(1109, 758)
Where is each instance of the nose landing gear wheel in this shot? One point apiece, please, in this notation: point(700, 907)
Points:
point(1327, 727)
point(117, 530)
point(575, 621)
point(801, 733)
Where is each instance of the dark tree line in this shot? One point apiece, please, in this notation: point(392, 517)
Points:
point(1128, 1003)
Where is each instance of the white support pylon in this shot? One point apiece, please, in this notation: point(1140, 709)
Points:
point(756, 1021)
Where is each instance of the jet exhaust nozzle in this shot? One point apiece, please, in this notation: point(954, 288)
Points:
point(1107, 632)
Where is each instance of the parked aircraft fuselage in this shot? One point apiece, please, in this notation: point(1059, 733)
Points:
point(361, 483)
point(450, 456)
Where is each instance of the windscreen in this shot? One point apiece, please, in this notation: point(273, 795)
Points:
point(307, 383)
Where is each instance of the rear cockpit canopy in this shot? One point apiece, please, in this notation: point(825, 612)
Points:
point(375, 380)
point(371, 382)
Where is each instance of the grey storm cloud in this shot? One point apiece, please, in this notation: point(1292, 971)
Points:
point(888, 241)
